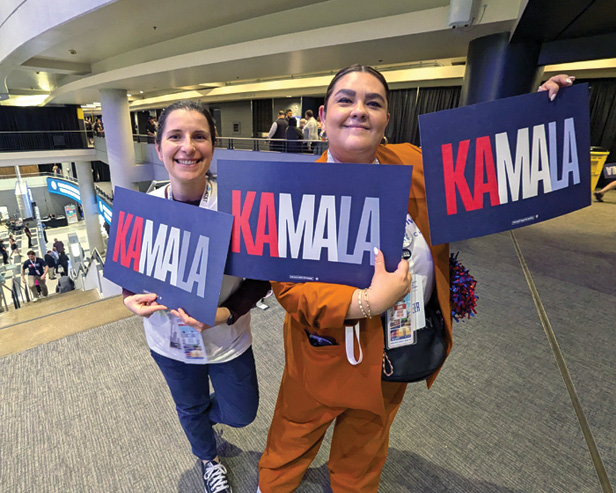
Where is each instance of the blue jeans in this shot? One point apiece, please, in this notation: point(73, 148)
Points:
point(234, 401)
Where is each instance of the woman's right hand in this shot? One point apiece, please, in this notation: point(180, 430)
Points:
point(143, 304)
point(387, 288)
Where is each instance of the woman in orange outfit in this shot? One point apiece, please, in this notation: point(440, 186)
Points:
point(319, 385)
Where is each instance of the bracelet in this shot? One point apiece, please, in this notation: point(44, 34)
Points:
point(367, 303)
point(361, 307)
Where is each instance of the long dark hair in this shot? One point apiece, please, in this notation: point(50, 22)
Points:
point(355, 68)
point(188, 105)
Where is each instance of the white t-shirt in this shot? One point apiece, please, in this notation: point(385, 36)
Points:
point(222, 343)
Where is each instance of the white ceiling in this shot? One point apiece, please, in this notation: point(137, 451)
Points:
point(166, 47)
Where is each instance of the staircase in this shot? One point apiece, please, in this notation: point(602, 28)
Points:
point(59, 315)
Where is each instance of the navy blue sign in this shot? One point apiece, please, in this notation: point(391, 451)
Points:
point(300, 222)
point(175, 250)
point(508, 163)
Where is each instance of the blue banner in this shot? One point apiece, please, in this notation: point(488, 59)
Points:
point(71, 190)
point(505, 164)
point(175, 250)
point(298, 222)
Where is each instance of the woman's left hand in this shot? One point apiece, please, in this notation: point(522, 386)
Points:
point(554, 83)
point(222, 315)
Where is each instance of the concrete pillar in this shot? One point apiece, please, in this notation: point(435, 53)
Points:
point(118, 137)
point(498, 69)
point(67, 170)
point(24, 206)
point(90, 209)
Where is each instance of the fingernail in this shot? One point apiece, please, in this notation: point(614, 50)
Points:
point(552, 97)
point(376, 250)
point(568, 80)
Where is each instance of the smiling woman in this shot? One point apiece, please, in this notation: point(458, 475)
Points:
point(185, 145)
point(187, 351)
point(323, 382)
point(355, 115)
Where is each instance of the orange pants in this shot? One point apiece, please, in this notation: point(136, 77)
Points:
point(359, 443)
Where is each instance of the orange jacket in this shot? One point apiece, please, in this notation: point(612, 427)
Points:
point(319, 307)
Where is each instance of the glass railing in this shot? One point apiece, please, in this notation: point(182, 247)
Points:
point(257, 144)
point(82, 139)
point(98, 190)
point(272, 145)
point(43, 140)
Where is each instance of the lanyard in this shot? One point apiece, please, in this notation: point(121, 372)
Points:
point(204, 199)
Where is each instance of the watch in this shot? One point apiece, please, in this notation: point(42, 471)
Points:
point(231, 319)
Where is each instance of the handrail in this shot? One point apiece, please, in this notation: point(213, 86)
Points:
point(15, 303)
point(34, 140)
point(94, 255)
point(61, 177)
point(73, 180)
point(279, 145)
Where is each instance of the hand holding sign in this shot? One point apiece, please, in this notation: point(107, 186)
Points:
point(173, 249)
point(143, 305)
point(222, 314)
point(387, 288)
point(554, 83)
point(486, 173)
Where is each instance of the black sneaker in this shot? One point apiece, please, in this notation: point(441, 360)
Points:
point(599, 196)
point(215, 478)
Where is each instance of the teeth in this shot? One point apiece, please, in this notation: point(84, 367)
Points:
point(186, 161)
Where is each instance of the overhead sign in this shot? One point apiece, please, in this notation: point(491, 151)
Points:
point(302, 222)
point(508, 163)
point(175, 250)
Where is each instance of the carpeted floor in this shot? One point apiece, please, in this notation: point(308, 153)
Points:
point(91, 413)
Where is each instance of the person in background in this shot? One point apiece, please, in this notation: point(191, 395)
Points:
point(28, 234)
point(37, 272)
point(319, 384)
point(278, 130)
point(14, 246)
point(150, 126)
point(289, 114)
point(185, 144)
point(55, 256)
point(3, 252)
point(294, 137)
point(58, 246)
point(600, 193)
point(98, 128)
point(311, 130)
point(65, 284)
point(50, 261)
point(62, 263)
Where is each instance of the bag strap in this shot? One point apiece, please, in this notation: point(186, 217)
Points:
point(350, 334)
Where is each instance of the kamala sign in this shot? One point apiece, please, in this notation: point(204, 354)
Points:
point(301, 222)
point(508, 163)
point(175, 250)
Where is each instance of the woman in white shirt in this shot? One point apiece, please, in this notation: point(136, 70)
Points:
point(222, 353)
